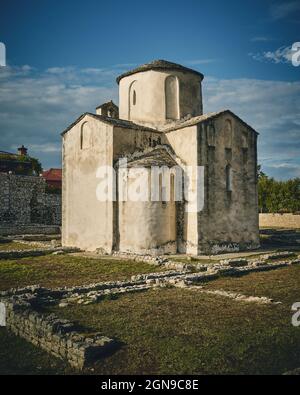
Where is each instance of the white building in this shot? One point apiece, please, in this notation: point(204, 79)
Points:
point(160, 122)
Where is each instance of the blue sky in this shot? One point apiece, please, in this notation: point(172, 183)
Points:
point(63, 57)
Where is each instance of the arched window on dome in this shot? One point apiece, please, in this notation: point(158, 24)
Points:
point(172, 97)
point(132, 99)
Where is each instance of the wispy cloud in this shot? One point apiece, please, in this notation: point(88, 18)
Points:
point(59, 70)
point(280, 55)
point(284, 9)
point(261, 39)
point(196, 62)
point(45, 148)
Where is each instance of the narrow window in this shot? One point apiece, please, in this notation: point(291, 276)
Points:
point(228, 178)
point(134, 98)
point(172, 182)
point(211, 136)
point(245, 155)
point(160, 187)
point(131, 98)
point(81, 138)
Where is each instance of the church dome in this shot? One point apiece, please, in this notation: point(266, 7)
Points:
point(158, 93)
point(161, 65)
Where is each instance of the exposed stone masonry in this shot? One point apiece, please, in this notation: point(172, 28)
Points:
point(64, 339)
point(58, 336)
point(24, 201)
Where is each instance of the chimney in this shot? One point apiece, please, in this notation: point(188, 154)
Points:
point(22, 150)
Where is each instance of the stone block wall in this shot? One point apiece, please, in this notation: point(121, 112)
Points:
point(53, 202)
point(56, 336)
point(23, 201)
point(289, 221)
point(31, 229)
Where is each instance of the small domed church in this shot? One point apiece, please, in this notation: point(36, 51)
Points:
point(160, 126)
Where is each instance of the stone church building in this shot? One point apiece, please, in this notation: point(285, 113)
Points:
point(160, 123)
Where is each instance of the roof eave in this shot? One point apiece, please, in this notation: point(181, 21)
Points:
point(149, 67)
point(118, 123)
point(200, 121)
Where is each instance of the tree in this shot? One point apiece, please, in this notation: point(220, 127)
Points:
point(35, 168)
point(278, 196)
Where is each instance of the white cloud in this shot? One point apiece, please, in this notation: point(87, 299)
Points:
point(59, 70)
point(35, 107)
point(280, 55)
point(270, 107)
point(284, 165)
point(45, 148)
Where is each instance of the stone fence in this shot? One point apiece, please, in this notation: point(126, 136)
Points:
point(57, 336)
point(290, 221)
point(24, 202)
point(31, 229)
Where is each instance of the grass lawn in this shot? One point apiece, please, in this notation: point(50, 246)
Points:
point(20, 357)
point(67, 270)
point(180, 331)
point(14, 245)
point(174, 330)
point(168, 330)
point(281, 285)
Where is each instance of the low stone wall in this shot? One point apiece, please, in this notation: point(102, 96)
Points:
point(30, 229)
point(14, 254)
point(56, 336)
point(289, 221)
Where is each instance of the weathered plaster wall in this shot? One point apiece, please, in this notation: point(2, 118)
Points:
point(184, 143)
point(229, 220)
point(150, 101)
point(87, 222)
point(146, 226)
point(289, 221)
point(23, 201)
point(143, 227)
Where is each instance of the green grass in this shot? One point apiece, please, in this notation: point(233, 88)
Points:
point(67, 270)
point(175, 331)
point(20, 357)
point(181, 331)
point(282, 284)
point(167, 330)
point(13, 245)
